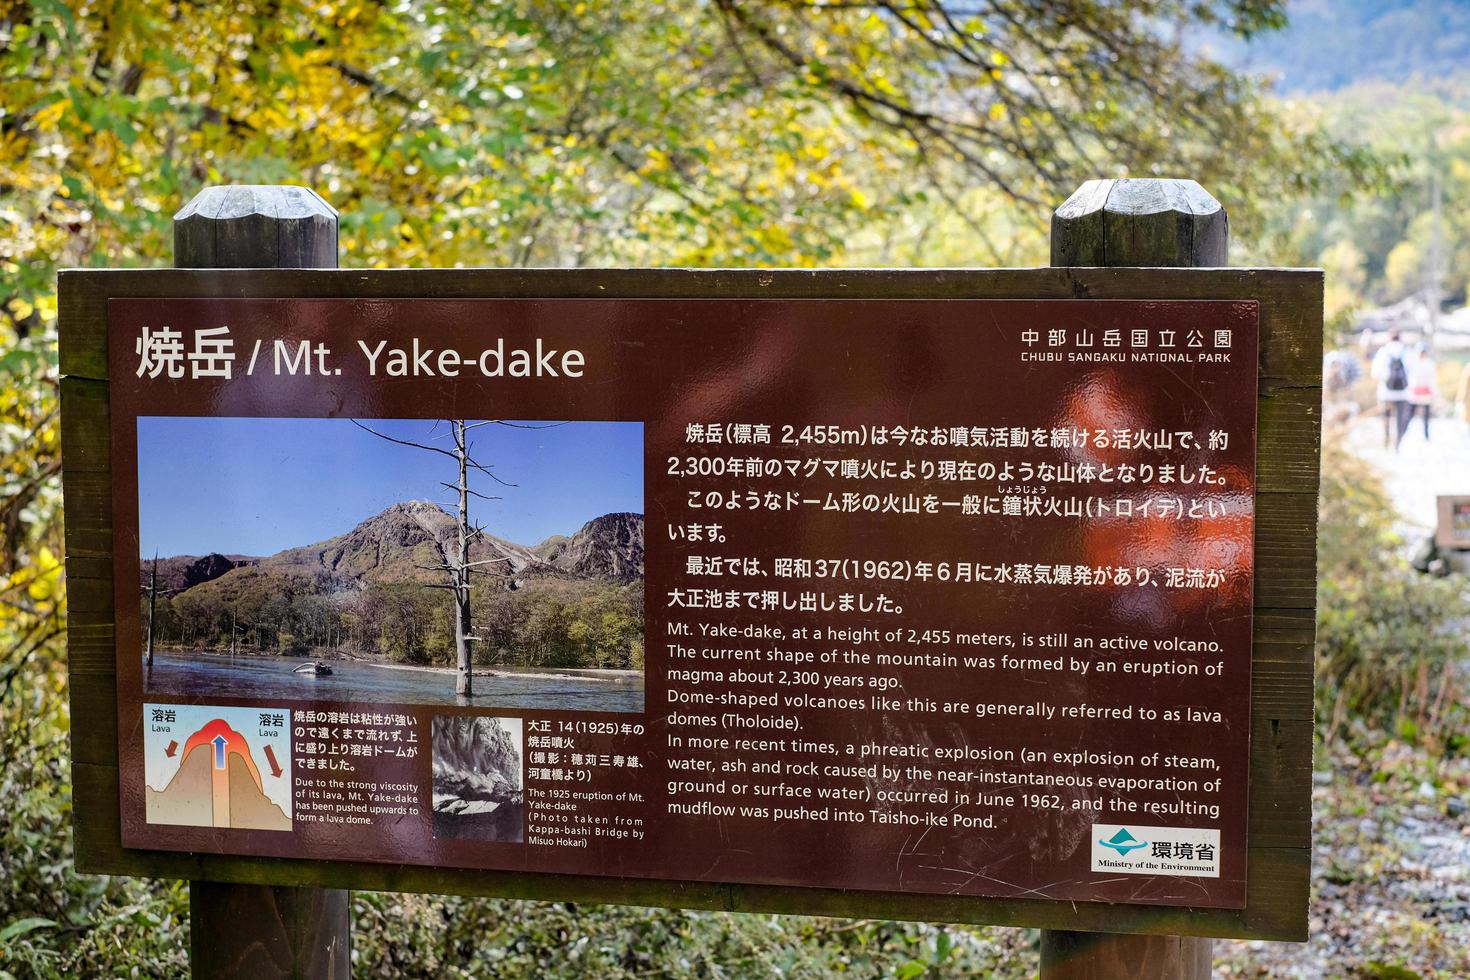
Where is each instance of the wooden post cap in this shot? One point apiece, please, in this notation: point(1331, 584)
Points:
point(256, 226)
point(1152, 222)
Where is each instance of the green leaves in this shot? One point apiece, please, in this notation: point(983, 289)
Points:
point(20, 927)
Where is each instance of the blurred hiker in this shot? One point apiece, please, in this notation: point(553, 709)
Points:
point(1340, 368)
point(1422, 386)
point(1391, 371)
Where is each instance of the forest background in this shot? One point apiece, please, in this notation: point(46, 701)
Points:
point(759, 133)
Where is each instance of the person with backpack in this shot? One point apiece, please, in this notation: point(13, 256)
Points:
point(1391, 371)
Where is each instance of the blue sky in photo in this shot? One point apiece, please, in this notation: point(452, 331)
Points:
point(254, 486)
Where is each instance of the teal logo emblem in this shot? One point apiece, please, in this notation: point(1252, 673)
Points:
point(1123, 842)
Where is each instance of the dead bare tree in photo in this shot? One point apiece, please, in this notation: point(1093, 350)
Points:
point(456, 565)
point(152, 608)
point(153, 593)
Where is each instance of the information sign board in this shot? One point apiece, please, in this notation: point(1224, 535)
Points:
point(893, 592)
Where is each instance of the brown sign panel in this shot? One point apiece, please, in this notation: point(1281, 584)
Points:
point(948, 597)
point(936, 595)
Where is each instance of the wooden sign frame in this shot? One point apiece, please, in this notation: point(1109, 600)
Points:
point(1288, 447)
point(1444, 529)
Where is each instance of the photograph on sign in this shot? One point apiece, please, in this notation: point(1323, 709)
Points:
point(936, 597)
point(319, 559)
point(478, 792)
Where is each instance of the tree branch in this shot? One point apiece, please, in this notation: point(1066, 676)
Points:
point(405, 442)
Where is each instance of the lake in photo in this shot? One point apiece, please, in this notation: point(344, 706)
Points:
point(217, 675)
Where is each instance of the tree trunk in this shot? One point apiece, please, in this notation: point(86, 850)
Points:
point(464, 678)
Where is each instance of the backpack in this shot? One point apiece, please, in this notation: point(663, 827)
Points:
point(1398, 375)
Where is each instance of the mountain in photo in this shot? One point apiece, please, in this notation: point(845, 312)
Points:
point(381, 592)
point(610, 546)
point(180, 572)
point(403, 544)
point(396, 545)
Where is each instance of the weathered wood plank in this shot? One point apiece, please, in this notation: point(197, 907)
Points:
point(1281, 689)
point(1109, 956)
point(91, 647)
point(1286, 550)
point(1291, 348)
point(84, 566)
point(93, 706)
point(1297, 623)
point(1077, 232)
point(279, 933)
point(85, 436)
point(87, 492)
point(82, 309)
point(1288, 440)
point(89, 515)
point(89, 599)
point(256, 226)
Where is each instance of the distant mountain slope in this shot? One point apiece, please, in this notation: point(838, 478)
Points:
point(405, 542)
point(1331, 44)
point(186, 571)
point(609, 546)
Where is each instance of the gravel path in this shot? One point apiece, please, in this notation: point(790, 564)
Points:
point(1391, 860)
point(1390, 890)
point(1420, 470)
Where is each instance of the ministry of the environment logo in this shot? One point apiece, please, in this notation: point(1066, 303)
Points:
point(1191, 852)
point(1123, 842)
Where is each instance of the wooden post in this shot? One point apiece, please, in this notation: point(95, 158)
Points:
point(1174, 223)
point(260, 931)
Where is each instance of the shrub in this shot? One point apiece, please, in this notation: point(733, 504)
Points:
point(1389, 639)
